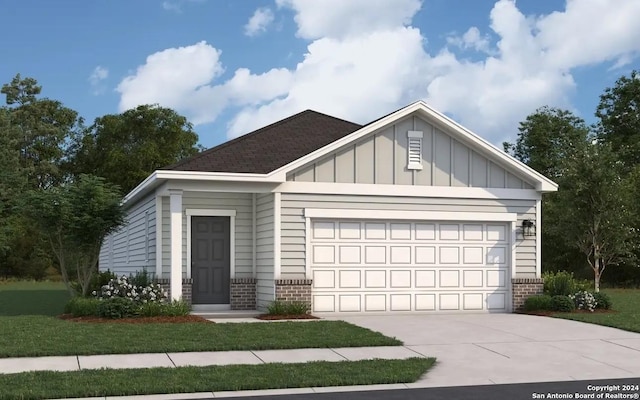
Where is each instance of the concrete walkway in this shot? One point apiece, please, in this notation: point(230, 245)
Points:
point(200, 359)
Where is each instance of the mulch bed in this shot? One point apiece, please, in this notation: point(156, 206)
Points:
point(139, 320)
point(549, 313)
point(268, 317)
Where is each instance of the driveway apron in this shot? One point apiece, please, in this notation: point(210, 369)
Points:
point(476, 349)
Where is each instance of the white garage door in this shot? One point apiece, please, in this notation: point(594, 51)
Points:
point(370, 266)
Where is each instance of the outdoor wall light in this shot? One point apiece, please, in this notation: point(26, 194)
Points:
point(528, 228)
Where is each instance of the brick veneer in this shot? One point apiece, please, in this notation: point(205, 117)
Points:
point(243, 294)
point(524, 288)
point(290, 290)
point(186, 288)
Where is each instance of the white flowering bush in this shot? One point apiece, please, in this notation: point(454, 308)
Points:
point(124, 288)
point(584, 300)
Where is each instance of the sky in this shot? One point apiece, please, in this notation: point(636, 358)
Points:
point(232, 66)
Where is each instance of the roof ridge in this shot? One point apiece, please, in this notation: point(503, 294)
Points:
point(250, 135)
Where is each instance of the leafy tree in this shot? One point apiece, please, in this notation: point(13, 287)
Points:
point(547, 139)
point(44, 128)
point(76, 217)
point(596, 216)
point(11, 177)
point(126, 148)
point(619, 114)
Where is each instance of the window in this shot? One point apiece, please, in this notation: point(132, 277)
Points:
point(414, 150)
point(146, 235)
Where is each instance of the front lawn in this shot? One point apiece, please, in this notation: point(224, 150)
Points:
point(32, 298)
point(626, 313)
point(31, 336)
point(115, 382)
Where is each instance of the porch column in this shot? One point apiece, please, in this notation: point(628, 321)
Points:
point(175, 207)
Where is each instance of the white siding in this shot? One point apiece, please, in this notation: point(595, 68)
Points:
point(293, 222)
point(241, 202)
point(264, 248)
point(133, 246)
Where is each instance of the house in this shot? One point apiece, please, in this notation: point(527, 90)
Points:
point(409, 213)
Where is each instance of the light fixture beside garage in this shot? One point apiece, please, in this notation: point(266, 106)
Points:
point(528, 228)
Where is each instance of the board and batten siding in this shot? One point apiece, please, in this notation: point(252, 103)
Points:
point(241, 202)
point(265, 289)
point(293, 222)
point(382, 158)
point(132, 247)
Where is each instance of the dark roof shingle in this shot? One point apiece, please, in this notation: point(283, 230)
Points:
point(271, 147)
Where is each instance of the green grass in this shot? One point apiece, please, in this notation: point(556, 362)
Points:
point(32, 336)
point(89, 383)
point(32, 298)
point(627, 311)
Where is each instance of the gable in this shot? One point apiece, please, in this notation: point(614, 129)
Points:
point(382, 157)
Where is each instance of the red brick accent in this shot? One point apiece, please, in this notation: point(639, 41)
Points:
point(243, 294)
point(290, 290)
point(524, 288)
point(186, 288)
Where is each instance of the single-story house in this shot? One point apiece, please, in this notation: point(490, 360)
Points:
point(409, 213)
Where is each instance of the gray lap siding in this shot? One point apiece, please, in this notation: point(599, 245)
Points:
point(293, 222)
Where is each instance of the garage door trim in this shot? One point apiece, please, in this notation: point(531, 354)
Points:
point(341, 213)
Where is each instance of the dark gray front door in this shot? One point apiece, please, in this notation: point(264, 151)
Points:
point(210, 261)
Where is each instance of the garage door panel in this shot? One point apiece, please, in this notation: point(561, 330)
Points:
point(400, 254)
point(371, 266)
point(400, 302)
point(449, 255)
point(375, 254)
point(350, 255)
point(400, 231)
point(350, 279)
point(449, 279)
point(400, 279)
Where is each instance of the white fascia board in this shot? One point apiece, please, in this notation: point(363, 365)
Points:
point(204, 212)
point(364, 189)
point(141, 188)
point(214, 176)
point(340, 213)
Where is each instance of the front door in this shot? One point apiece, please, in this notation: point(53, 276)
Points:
point(210, 259)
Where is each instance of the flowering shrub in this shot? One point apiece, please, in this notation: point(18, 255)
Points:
point(584, 300)
point(122, 287)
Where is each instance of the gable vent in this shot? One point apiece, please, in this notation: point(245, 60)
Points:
point(414, 150)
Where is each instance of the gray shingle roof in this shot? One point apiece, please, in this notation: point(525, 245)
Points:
point(271, 147)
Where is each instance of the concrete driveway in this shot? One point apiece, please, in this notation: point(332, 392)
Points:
point(510, 348)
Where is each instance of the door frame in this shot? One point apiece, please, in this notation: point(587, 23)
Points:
point(191, 212)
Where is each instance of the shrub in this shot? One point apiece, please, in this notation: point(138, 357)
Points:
point(288, 308)
point(173, 309)
point(539, 302)
point(562, 303)
point(584, 300)
point(117, 307)
point(99, 280)
point(141, 278)
point(603, 301)
point(121, 287)
point(82, 307)
point(561, 283)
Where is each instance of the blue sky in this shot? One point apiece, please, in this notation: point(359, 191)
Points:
point(232, 66)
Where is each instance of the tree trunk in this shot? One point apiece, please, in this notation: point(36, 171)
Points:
point(597, 273)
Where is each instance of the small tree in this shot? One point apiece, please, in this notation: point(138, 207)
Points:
point(76, 218)
point(598, 221)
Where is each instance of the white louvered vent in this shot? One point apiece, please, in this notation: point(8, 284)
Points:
point(414, 150)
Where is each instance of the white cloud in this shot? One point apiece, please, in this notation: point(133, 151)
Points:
point(259, 22)
point(96, 79)
point(176, 78)
point(176, 5)
point(365, 59)
point(342, 18)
